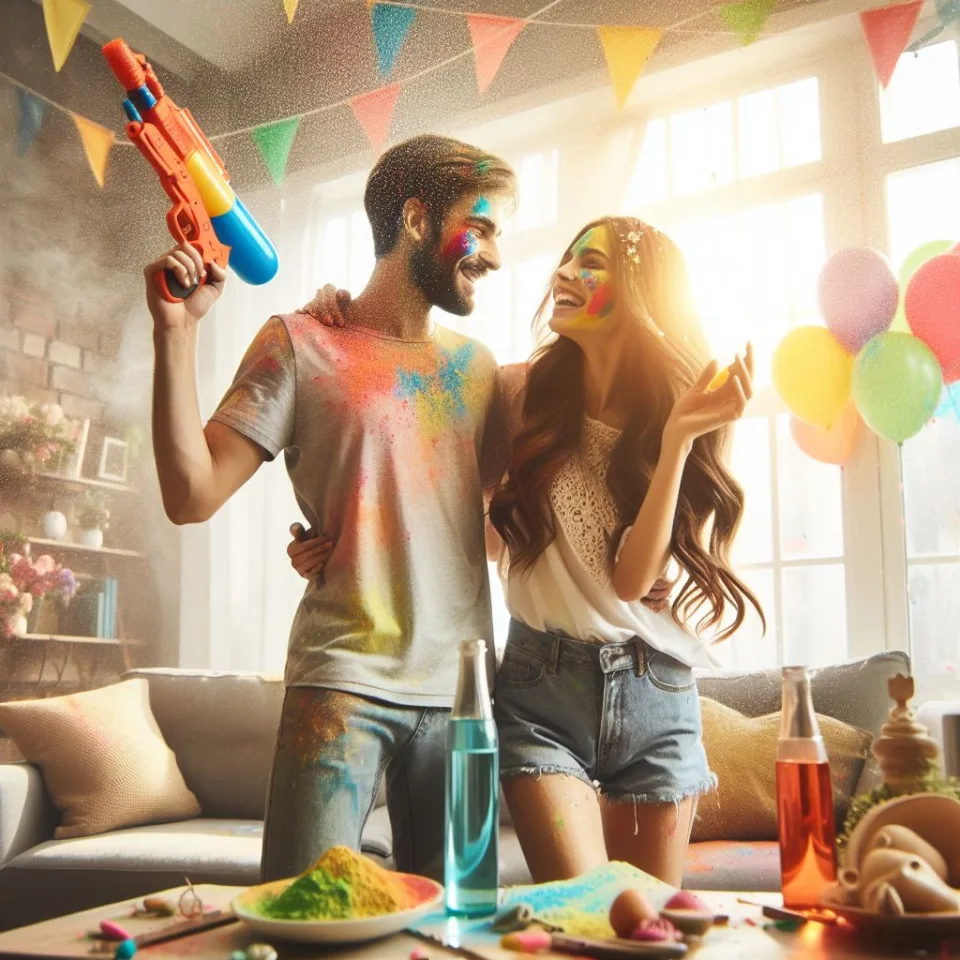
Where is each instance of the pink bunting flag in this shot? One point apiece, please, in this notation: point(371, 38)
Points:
point(492, 39)
point(374, 112)
point(887, 32)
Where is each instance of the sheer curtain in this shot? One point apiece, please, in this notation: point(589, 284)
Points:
point(238, 591)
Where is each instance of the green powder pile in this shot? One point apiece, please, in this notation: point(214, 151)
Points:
point(312, 896)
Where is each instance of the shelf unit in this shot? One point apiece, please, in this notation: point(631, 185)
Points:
point(67, 545)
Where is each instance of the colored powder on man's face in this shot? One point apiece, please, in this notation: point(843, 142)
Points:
point(461, 244)
point(481, 208)
point(341, 885)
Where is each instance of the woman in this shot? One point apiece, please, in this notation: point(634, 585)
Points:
point(615, 470)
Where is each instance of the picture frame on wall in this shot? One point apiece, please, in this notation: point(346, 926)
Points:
point(72, 467)
point(113, 460)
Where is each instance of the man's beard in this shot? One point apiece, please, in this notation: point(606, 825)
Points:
point(437, 280)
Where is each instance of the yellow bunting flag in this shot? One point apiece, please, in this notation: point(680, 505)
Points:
point(291, 7)
point(627, 50)
point(63, 18)
point(97, 142)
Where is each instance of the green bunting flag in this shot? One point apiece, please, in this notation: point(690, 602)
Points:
point(274, 141)
point(748, 18)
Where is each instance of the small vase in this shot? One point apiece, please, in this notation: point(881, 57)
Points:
point(91, 538)
point(19, 626)
point(54, 525)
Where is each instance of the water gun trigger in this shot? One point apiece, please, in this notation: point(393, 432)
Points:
point(170, 288)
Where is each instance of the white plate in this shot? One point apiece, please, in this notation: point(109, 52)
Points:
point(336, 931)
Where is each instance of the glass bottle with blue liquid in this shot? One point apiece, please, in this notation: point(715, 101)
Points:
point(471, 871)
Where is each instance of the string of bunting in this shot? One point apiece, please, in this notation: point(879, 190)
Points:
point(627, 49)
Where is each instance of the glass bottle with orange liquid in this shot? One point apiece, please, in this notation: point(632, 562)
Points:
point(808, 858)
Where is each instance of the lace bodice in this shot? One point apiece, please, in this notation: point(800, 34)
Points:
point(581, 502)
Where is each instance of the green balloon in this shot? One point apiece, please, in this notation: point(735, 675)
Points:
point(911, 263)
point(896, 385)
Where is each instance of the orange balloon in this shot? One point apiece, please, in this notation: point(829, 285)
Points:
point(829, 445)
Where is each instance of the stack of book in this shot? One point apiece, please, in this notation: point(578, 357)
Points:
point(93, 611)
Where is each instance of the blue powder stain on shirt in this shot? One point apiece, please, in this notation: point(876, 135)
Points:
point(448, 381)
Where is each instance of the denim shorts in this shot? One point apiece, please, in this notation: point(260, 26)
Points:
point(622, 716)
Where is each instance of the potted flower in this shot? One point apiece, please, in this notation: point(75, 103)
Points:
point(93, 517)
point(32, 434)
point(22, 581)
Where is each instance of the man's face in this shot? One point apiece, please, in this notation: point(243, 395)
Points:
point(446, 266)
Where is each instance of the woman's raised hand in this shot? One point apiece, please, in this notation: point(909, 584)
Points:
point(702, 410)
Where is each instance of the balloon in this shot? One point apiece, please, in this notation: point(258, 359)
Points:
point(933, 311)
point(896, 385)
point(858, 295)
point(913, 260)
point(835, 445)
point(811, 372)
point(949, 402)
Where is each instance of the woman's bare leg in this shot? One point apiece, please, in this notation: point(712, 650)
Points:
point(558, 823)
point(651, 836)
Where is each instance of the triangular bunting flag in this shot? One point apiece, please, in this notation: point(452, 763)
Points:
point(948, 12)
point(390, 27)
point(97, 142)
point(492, 38)
point(29, 119)
point(627, 50)
point(887, 32)
point(291, 8)
point(274, 141)
point(747, 19)
point(63, 18)
point(374, 112)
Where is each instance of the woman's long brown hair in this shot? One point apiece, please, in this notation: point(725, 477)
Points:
point(654, 290)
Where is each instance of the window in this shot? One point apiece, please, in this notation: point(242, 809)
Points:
point(754, 274)
point(703, 149)
point(923, 95)
point(924, 204)
point(538, 181)
point(343, 251)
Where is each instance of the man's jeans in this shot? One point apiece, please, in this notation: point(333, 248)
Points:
point(332, 750)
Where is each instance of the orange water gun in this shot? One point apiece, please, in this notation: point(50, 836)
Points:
point(205, 211)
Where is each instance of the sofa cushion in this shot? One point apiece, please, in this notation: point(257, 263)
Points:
point(742, 752)
point(104, 761)
point(729, 865)
point(223, 729)
point(854, 692)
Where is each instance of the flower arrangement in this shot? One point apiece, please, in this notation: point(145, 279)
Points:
point(23, 580)
point(92, 511)
point(32, 434)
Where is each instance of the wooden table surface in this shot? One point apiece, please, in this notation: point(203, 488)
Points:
point(739, 940)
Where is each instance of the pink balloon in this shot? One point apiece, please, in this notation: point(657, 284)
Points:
point(858, 295)
point(932, 305)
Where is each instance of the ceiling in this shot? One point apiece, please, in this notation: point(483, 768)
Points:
point(238, 63)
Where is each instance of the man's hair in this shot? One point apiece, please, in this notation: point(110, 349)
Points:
point(436, 170)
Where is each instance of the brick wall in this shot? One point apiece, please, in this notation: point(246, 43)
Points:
point(52, 354)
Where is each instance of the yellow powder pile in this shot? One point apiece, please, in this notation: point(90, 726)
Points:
point(341, 885)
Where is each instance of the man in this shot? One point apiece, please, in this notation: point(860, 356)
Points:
point(386, 425)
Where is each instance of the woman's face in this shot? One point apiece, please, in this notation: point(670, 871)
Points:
point(584, 292)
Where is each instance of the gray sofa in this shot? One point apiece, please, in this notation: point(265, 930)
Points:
point(222, 727)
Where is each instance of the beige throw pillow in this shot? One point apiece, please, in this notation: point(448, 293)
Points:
point(103, 758)
point(742, 752)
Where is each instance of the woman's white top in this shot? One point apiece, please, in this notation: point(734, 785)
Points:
point(569, 589)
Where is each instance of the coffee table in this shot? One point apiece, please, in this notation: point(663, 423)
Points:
point(65, 937)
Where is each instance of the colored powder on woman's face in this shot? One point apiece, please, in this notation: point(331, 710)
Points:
point(341, 885)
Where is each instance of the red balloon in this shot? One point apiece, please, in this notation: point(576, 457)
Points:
point(932, 305)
